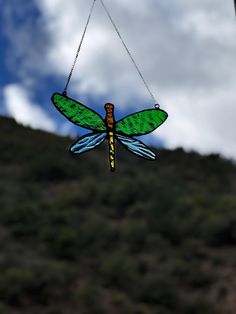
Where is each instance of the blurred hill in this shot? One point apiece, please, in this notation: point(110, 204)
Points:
point(152, 238)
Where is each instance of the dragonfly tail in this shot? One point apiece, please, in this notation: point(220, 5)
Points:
point(112, 151)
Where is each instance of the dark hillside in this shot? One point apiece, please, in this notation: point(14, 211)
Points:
point(152, 238)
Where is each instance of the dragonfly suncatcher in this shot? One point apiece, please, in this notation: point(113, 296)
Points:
point(136, 124)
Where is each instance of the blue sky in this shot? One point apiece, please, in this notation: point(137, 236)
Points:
point(185, 49)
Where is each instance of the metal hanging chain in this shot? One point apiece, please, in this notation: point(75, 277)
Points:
point(79, 48)
point(125, 46)
point(128, 51)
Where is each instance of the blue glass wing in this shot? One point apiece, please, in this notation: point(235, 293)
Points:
point(136, 147)
point(87, 142)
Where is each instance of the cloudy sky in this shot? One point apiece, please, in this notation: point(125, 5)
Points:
point(186, 50)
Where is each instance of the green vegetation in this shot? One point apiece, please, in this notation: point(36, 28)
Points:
point(151, 238)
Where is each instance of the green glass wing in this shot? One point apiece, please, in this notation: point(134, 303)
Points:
point(78, 113)
point(141, 122)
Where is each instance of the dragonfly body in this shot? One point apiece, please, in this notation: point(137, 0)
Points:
point(139, 123)
point(110, 123)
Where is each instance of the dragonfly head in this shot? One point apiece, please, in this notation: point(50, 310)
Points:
point(109, 108)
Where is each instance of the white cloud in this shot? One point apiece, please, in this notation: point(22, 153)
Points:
point(166, 40)
point(207, 124)
point(103, 66)
point(19, 105)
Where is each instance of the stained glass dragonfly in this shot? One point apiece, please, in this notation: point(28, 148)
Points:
point(136, 124)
